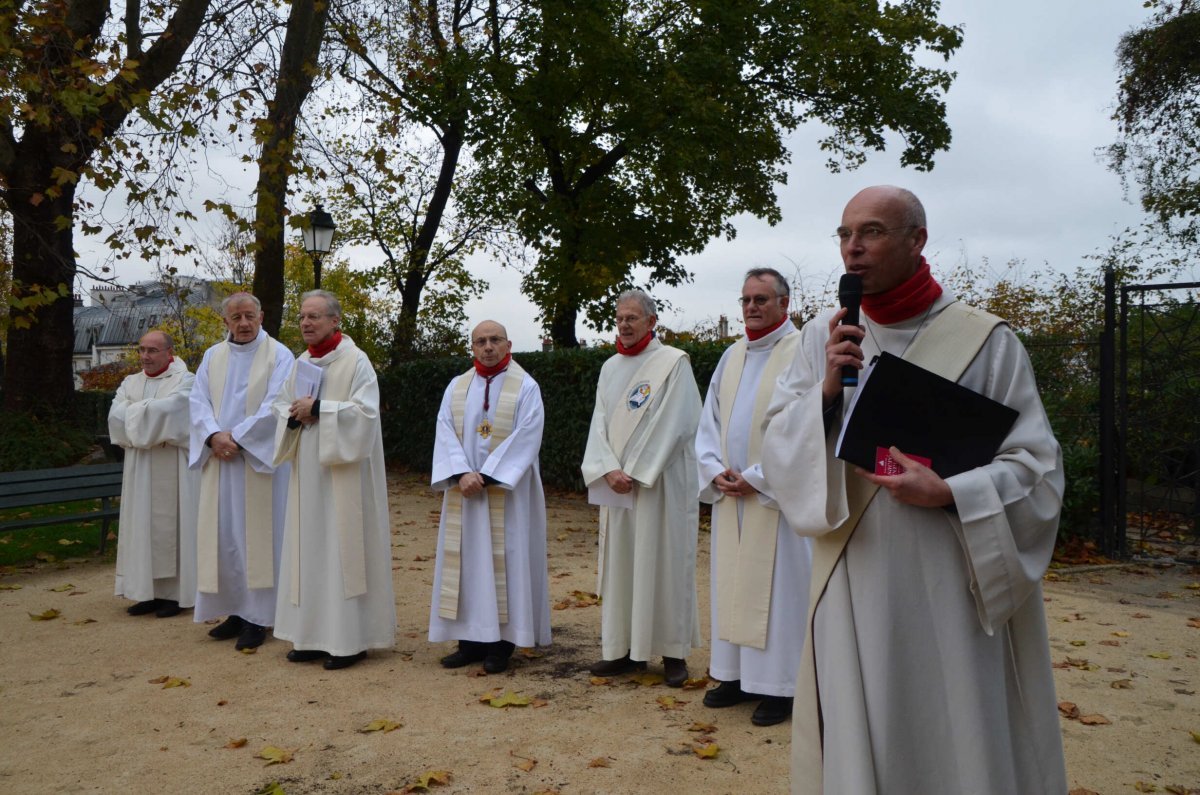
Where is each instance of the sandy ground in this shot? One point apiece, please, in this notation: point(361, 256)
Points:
point(83, 707)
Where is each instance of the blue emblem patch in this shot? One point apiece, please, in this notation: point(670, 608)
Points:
point(639, 396)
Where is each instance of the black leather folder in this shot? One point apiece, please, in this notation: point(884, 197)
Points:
point(921, 412)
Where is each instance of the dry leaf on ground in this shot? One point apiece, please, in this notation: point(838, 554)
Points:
point(275, 755)
point(48, 615)
point(706, 728)
point(240, 742)
point(669, 702)
point(647, 679)
point(10, 586)
point(508, 699)
point(706, 750)
point(431, 778)
point(381, 725)
point(599, 761)
point(1068, 710)
point(1094, 720)
point(61, 588)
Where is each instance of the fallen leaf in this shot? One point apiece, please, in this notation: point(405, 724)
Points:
point(1193, 586)
point(1159, 655)
point(1176, 789)
point(706, 750)
point(1195, 736)
point(222, 703)
point(1122, 684)
point(1079, 643)
point(647, 679)
point(669, 702)
point(1110, 643)
point(381, 725)
point(1141, 615)
point(250, 650)
point(83, 621)
point(1144, 786)
point(175, 681)
point(275, 755)
point(1120, 634)
point(706, 728)
point(66, 542)
point(48, 615)
point(509, 699)
point(1194, 623)
point(696, 684)
point(599, 761)
point(431, 778)
point(240, 742)
point(530, 654)
point(274, 788)
point(600, 681)
point(1068, 710)
point(1082, 791)
point(1094, 720)
point(10, 586)
point(526, 764)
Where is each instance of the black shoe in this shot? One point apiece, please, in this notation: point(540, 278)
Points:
point(468, 652)
point(228, 629)
point(337, 663)
point(675, 671)
point(306, 655)
point(167, 608)
point(143, 608)
point(772, 710)
point(726, 694)
point(498, 655)
point(252, 637)
point(621, 665)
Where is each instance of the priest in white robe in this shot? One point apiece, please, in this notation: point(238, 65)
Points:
point(156, 550)
point(928, 666)
point(760, 568)
point(490, 590)
point(640, 467)
point(242, 495)
point(335, 596)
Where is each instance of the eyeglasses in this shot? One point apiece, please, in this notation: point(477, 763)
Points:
point(869, 234)
point(623, 319)
point(150, 351)
point(757, 300)
point(481, 341)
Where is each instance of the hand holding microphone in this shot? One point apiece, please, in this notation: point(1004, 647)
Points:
point(850, 292)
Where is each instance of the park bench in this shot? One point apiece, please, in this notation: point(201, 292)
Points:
point(62, 485)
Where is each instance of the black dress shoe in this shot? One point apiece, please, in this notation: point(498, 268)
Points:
point(337, 663)
point(143, 608)
point(772, 710)
point(727, 694)
point(228, 629)
point(252, 637)
point(675, 671)
point(468, 652)
point(306, 655)
point(167, 608)
point(498, 655)
point(621, 665)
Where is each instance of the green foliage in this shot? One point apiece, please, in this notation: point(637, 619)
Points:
point(412, 393)
point(1158, 112)
point(620, 136)
point(30, 443)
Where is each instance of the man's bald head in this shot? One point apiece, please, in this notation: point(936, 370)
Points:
point(882, 235)
point(490, 343)
point(155, 350)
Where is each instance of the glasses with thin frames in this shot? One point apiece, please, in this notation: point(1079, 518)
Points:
point(868, 234)
point(757, 300)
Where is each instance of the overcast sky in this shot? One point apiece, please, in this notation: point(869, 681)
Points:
point(1022, 179)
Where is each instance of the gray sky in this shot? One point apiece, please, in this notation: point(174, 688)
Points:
point(1022, 180)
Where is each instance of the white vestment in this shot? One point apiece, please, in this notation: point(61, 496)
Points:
point(255, 432)
point(514, 465)
point(335, 579)
point(156, 548)
point(931, 667)
point(769, 671)
point(648, 552)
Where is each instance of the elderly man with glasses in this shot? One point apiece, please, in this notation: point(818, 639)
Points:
point(927, 666)
point(156, 551)
point(760, 568)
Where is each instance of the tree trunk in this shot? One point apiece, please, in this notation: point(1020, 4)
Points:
point(297, 67)
point(38, 375)
point(562, 326)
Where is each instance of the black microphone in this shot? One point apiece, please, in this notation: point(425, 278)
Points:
point(850, 296)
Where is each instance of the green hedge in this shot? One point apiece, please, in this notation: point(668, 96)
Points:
point(412, 392)
point(31, 443)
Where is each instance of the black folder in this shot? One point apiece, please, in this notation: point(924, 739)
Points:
point(921, 412)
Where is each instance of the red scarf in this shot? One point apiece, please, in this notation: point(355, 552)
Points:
point(492, 372)
point(166, 367)
point(635, 348)
point(326, 345)
point(905, 300)
point(753, 335)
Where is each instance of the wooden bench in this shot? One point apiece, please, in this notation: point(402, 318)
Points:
point(62, 485)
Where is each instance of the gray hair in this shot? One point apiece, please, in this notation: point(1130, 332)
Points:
point(914, 211)
point(238, 298)
point(331, 303)
point(640, 296)
point(781, 285)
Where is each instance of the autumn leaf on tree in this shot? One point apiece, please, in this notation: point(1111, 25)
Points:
point(240, 742)
point(380, 725)
point(706, 750)
point(431, 778)
point(275, 755)
point(48, 615)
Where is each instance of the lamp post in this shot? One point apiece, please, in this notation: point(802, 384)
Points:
point(318, 239)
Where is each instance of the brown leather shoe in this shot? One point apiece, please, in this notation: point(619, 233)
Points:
point(621, 665)
point(675, 671)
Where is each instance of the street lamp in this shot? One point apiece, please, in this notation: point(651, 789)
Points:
point(318, 239)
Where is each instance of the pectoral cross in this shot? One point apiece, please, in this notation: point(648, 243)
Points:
point(485, 429)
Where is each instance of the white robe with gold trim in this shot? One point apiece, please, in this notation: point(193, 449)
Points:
point(514, 463)
point(255, 432)
point(649, 606)
point(156, 547)
point(770, 671)
point(930, 636)
point(313, 609)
